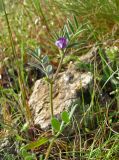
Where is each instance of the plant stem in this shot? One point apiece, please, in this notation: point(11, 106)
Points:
point(51, 86)
point(51, 98)
point(49, 148)
point(62, 127)
point(52, 142)
point(51, 101)
point(60, 64)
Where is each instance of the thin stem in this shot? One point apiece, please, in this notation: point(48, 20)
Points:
point(60, 65)
point(49, 148)
point(51, 98)
point(51, 86)
point(52, 142)
point(51, 101)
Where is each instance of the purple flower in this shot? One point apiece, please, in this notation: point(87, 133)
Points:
point(61, 43)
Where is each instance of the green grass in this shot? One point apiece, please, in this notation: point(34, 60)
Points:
point(32, 23)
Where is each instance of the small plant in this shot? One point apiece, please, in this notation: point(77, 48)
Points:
point(30, 23)
point(65, 40)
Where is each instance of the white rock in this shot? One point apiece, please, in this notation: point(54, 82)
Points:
point(66, 89)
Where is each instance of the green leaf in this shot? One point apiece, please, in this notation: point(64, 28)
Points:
point(36, 144)
point(30, 157)
point(37, 52)
point(45, 59)
point(65, 117)
point(25, 127)
point(19, 138)
point(73, 45)
point(41, 157)
point(33, 54)
point(76, 22)
point(67, 34)
point(71, 26)
point(55, 36)
point(77, 33)
point(37, 6)
point(72, 111)
point(49, 69)
point(55, 124)
point(24, 152)
point(36, 66)
point(26, 155)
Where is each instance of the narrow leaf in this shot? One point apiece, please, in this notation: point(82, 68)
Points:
point(76, 22)
point(77, 34)
point(71, 26)
point(19, 138)
point(25, 127)
point(73, 45)
point(67, 34)
point(72, 111)
point(55, 35)
point(36, 144)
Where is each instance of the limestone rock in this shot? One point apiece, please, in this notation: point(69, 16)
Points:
point(66, 88)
